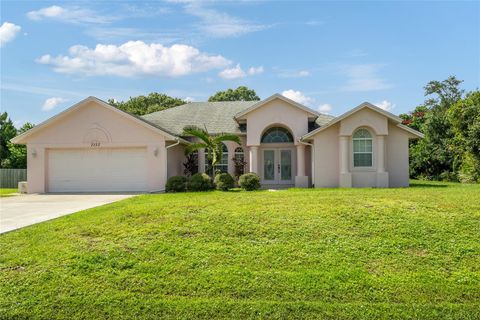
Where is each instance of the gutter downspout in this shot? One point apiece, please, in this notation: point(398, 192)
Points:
point(313, 160)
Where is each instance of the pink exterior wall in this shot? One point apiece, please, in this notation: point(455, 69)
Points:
point(326, 158)
point(327, 152)
point(275, 112)
point(175, 160)
point(94, 122)
point(397, 156)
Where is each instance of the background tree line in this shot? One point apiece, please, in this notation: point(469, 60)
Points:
point(12, 155)
point(450, 121)
point(449, 118)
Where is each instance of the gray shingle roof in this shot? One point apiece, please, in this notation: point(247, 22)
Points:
point(218, 117)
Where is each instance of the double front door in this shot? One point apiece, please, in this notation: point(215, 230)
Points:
point(277, 166)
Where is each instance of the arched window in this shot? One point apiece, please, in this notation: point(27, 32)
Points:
point(222, 165)
point(362, 148)
point(277, 135)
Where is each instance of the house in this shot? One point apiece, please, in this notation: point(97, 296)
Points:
point(95, 147)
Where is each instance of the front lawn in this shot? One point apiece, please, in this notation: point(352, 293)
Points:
point(7, 192)
point(328, 254)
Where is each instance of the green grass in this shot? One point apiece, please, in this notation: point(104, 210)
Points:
point(7, 192)
point(323, 254)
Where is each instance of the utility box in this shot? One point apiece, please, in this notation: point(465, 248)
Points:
point(22, 187)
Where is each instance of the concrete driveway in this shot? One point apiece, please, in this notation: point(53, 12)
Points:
point(23, 210)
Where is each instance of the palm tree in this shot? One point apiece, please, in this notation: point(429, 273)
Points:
point(213, 144)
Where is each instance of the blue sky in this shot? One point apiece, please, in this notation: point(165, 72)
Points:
point(330, 56)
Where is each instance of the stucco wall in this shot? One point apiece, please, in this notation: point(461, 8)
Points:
point(326, 158)
point(327, 153)
point(94, 122)
point(175, 160)
point(275, 112)
point(364, 118)
point(397, 156)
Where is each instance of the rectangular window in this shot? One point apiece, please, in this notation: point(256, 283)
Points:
point(362, 153)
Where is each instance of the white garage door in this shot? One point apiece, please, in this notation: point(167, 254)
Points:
point(97, 170)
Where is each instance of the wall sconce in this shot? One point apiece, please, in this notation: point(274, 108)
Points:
point(155, 151)
point(34, 153)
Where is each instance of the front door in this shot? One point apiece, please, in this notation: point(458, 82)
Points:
point(277, 166)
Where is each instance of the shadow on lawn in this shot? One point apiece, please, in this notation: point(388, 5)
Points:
point(427, 185)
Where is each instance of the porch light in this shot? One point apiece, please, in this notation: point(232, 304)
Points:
point(155, 151)
point(34, 153)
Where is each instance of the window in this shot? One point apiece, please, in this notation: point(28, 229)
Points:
point(277, 135)
point(222, 165)
point(239, 161)
point(362, 148)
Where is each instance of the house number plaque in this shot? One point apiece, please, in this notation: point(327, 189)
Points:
point(95, 144)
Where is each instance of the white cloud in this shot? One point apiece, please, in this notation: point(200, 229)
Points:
point(385, 105)
point(8, 32)
point(363, 77)
point(297, 96)
point(52, 102)
point(313, 23)
point(255, 70)
point(134, 58)
point(325, 108)
point(237, 72)
point(69, 15)
point(233, 73)
point(219, 24)
point(189, 99)
point(294, 74)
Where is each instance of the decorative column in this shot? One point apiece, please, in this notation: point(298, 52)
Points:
point(253, 159)
point(301, 180)
point(345, 175)
point(201, 160)
point(382, 175)
point(300, 160)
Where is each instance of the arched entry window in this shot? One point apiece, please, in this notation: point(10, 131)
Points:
point(277, 135)
point(222, 165)
point(362, 148)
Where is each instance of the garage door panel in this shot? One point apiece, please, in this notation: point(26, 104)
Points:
point(97, 170)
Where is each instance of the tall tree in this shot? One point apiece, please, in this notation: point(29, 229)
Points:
point(435, 156)
point(17, 158)
point(147, 104)
point(242, 93)
point(7, 132)
point(213, 144)
point(464, 117)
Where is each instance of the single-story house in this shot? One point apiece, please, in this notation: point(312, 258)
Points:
point(95, 147)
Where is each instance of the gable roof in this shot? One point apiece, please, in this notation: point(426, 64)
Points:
point(364, 105)
point(217, 117)
point(273, 97)
point(169, 135)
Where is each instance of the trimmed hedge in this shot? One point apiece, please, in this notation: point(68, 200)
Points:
point(200, 182)
point(249, 181)
point(176, 184)
point(224, 181)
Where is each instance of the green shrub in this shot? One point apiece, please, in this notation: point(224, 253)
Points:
point(249, 181)
point(200, 182)
point(176, 184)
point(224, 181)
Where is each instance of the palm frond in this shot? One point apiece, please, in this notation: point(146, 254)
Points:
point(227, 137)
point(194, 147)
point(195, 131)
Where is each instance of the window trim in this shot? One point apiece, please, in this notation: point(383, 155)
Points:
point(371, 138)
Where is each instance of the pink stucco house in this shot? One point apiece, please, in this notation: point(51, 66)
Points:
point(95, 147)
